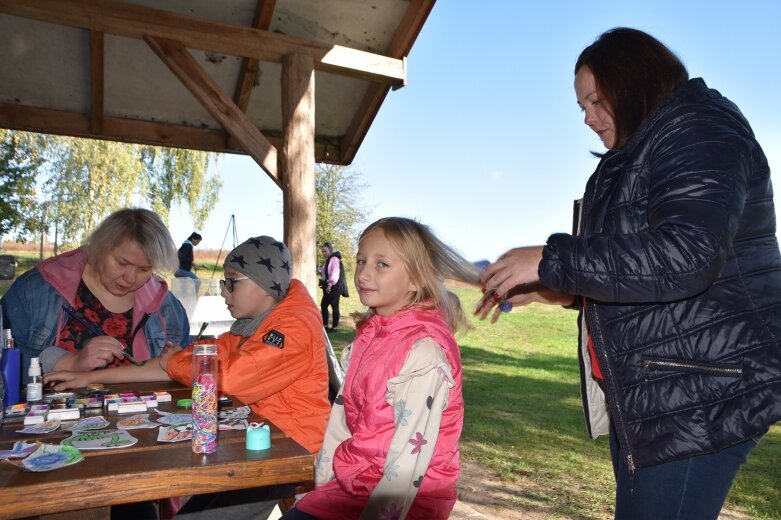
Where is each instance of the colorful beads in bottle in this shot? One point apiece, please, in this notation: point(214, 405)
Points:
point(205, 397)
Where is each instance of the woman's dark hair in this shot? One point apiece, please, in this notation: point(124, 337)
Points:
point(633, 71)
point(195, 236)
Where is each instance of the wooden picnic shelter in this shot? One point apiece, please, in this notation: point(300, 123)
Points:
point(287, 82)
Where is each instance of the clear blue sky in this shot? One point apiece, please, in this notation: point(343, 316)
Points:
point(486, 143)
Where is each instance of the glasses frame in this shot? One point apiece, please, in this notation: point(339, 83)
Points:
point(229, 283)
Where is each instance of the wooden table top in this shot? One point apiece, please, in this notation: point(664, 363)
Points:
point(148, 470)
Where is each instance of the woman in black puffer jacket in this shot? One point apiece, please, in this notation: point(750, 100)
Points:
point(676, 270)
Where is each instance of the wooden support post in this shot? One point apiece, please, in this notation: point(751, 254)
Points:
point(296, 166)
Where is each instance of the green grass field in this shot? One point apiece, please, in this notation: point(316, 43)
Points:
point(524, 420)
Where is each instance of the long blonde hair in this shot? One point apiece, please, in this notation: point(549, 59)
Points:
point(429, 262)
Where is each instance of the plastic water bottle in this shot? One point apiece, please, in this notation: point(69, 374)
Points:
point(205, 397)
point(34, 382)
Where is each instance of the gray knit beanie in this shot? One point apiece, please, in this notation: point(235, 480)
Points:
point(266, 262)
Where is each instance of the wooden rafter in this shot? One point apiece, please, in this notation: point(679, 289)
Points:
point(250, 66)
point(134, 21)
point(399, 47)
point(216, 102)
point(156, 133)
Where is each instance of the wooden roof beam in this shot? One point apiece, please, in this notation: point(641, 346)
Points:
point(155, 133)
point(249, 66)
point(416, 14)
point(133, 21)
point(216, 102)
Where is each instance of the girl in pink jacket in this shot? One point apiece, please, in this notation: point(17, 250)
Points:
point(391, 446)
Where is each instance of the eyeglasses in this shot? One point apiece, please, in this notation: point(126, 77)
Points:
point(229, 283)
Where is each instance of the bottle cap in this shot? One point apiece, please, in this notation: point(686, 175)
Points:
point(35, 367)
point(205, 349)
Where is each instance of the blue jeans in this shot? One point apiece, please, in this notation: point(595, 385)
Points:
point(183, 273)
point(692, 488)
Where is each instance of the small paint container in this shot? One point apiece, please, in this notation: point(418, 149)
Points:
point(58, 400)
point(184, 403)
point(258, 437)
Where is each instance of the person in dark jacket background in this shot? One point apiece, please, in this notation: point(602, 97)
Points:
point(675, 267)
point(187, 263)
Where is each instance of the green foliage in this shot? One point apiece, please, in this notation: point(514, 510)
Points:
point(339, 214)
point(19, 159)
point(84, 180)
point(176, 176)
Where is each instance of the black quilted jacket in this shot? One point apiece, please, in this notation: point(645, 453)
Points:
point(680, 268)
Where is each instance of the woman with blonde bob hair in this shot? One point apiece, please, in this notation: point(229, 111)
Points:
point(101, 304)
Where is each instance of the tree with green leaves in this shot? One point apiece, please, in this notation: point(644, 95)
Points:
point(339, 213)
point(20, 158)
point(83, 180)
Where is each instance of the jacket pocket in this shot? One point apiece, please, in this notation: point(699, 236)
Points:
point(658, 365)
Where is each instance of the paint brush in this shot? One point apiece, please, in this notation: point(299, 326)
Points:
point(200, 332)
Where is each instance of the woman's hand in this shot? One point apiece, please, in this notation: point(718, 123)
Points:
point(517, 267)
point(67, 380)
point(97, 352)
point(513, 278)
point(519, 296)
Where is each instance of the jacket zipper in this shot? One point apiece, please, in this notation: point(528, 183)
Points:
point(609, 381)
point(648, 363)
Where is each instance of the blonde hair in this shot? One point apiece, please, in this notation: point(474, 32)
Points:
point(143, 227)
point(429, 262)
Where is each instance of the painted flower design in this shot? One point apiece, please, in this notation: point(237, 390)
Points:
point(48, 459)
point(322, 458)
point(418, 442)
point(391, 471)
point(401, 412)
point(392, 513)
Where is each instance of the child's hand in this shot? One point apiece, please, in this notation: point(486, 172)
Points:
point(67, 379)
point(168, 350)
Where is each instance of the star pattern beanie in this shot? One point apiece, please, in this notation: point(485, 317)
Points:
point(266, 262)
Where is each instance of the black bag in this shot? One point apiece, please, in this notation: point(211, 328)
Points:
point(343, 280)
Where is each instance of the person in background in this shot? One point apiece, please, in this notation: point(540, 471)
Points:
point(186, 260)
point(101, 304)
point(333, 283)
point(273, 359)
point(391, 447)
point(675, 268)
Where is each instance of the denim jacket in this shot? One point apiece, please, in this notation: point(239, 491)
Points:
point(33, 309)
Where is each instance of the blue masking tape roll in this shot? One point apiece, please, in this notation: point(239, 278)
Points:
point(11, 365)
point(258, 437)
